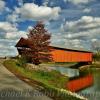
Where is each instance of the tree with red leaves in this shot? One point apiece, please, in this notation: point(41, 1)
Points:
point(39, 43)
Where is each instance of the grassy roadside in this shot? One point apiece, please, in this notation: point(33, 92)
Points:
point(50, 78)
point(51, 82)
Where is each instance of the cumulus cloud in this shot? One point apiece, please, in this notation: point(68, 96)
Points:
point(2, 5)
point(7, 48)
point(31, 11)
point(7, 45)
point(95, 44)
point(60, 41)
point(7, 27)
point(13, 17)
point(45, 3)
point(87, 26)
point(16, 35)
point(9, 35)
point(10, 31)
point(76, 2)
point(78, 33)
point(87, 10)
point(20, 2)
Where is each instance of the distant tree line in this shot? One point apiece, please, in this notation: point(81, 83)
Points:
point(96, 56)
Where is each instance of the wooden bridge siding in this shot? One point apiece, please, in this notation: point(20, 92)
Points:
point(71, 56)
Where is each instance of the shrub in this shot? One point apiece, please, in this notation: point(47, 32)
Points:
point(21, 61)
point(96, 56)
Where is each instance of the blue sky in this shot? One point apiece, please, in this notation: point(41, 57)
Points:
point(72, 23)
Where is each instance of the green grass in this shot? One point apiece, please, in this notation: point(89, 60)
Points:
point(53, 78)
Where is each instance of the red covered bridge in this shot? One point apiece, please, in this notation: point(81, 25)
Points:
point(61, 54)
point(70, 55)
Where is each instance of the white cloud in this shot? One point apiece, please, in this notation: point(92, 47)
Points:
point(65, 0)
point(93, 40)
point(7, 27)
point(86, 19)
point(29, 28)
point(7, 48)
point(83, 35)
point(20, 2)
point(10, 31)
point(8, 9)
point(45, 3)
point(15, 35)
point(8, 52)
point(87, 10)
point(2, 5)
point(31, 11)
point(13, 17)
point(95, 44)
point(76, 2)
point(10, 36)
point(60, 41)
point(78, 33)
point(83, 24)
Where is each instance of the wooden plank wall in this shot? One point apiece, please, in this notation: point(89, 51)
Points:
point(71, 56)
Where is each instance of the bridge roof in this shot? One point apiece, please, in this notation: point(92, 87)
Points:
point(24, 43)
point(71, 49)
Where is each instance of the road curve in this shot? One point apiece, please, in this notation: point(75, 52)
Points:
point(12, 88)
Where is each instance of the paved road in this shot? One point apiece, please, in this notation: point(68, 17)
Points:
point(12, 88)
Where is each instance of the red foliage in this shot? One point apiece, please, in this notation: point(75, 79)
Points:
point(38, 42)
